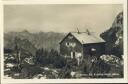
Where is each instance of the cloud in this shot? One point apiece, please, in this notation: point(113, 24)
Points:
point(60, 18)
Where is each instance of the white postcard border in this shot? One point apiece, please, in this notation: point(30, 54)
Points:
point(28, 2)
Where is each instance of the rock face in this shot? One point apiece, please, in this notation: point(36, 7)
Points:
point(114, 37)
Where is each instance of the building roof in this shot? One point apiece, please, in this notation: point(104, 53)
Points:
point(85, 38)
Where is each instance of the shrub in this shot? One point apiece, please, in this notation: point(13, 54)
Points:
point(46, 58)
point(59, 62)
point(28, 71)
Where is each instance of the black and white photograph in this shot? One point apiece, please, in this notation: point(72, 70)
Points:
point(63, 41)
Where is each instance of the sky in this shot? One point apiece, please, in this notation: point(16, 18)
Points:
point(60, 18)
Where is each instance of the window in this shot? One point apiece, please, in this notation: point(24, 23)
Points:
point(93, 49)
point(67, 44)
point(71, 44)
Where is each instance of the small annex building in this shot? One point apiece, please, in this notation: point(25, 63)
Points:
point(81, 45)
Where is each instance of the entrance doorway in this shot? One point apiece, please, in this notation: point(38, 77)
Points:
point(72, 54)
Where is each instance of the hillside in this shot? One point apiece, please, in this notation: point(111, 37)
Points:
point(47, 40)
point(114, 36)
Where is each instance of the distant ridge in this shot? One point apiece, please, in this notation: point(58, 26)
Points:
point(47, 40)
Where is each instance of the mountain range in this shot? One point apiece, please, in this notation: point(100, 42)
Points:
point(46, 40)
point(50, 40)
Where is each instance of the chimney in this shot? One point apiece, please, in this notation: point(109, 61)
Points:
point(78, 31)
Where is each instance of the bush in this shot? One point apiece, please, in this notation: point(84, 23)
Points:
point(59, 62)
point(10, 61)
point(49, 57)
point(104, 65)
point(15, 69)
point(28, 71)
point(65, 73)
